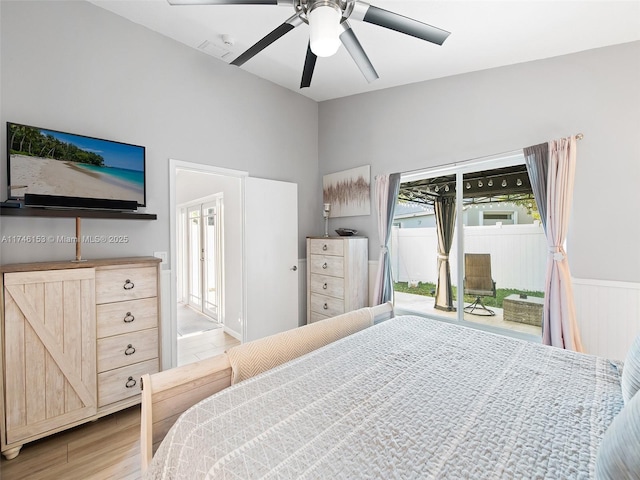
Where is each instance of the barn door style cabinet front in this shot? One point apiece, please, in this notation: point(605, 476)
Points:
point(75, 342)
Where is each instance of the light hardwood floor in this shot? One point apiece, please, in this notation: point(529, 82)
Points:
point(199, 346)
point(204, 345)
point(109, 448)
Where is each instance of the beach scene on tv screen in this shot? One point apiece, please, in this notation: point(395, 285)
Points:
point(48, 162)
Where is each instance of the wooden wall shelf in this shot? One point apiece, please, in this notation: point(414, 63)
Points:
point(73, 213)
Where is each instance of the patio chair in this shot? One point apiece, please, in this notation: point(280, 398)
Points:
point(478, 282)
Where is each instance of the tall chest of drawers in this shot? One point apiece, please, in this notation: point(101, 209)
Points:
point(337, 276)
point(76, 338)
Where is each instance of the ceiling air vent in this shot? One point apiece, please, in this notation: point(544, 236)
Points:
point(215, 50)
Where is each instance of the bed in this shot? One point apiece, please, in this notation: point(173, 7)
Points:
point(407, 398)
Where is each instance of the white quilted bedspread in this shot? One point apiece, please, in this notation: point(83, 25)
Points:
point(410, 398)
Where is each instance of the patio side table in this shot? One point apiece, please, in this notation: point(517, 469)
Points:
point(523, 310)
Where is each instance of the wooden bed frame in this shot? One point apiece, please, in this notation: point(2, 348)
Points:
point(166, 395)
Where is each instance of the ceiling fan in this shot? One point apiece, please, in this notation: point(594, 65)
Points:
point(329, 26)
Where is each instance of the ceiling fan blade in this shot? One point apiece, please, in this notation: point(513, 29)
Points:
point(268, 39)
point(399, 23)
point(351, 43)
point(230, 2)
point(309, 66)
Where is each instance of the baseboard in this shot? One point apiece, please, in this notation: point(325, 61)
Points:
point(233, 333)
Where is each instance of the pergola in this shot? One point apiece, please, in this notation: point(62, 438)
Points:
point(489, 186)
point(497, 185)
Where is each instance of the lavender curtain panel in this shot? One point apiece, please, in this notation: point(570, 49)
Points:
point(445, 209)
point(536, 158)
point(559, 324)
point(386, 193)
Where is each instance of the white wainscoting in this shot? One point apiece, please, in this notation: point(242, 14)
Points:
point(302, 291)
point(166, 343)
point(373, 272)
point(608, 315)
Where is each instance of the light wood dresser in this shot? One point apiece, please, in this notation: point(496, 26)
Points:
point(337, 276)
point(75, 338)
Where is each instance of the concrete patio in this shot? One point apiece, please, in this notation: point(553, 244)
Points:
point(424, 305)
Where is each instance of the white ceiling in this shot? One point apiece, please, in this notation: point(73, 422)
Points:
point(485, 34)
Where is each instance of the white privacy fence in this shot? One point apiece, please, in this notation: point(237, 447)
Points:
point(518, 254)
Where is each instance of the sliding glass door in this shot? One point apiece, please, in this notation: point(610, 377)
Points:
point(468, 245)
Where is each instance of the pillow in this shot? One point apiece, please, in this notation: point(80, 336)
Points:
point(631, 371)
point(619, 453)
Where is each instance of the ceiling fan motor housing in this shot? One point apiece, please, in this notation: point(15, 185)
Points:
point(330, 28)
point(324, 18)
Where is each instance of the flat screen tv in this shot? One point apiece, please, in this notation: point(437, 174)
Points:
point(48, 162)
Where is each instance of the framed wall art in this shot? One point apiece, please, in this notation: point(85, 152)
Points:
point(348, 192)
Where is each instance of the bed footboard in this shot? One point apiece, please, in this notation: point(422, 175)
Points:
point(166, 395)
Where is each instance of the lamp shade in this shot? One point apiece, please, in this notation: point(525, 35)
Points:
point(324, 25)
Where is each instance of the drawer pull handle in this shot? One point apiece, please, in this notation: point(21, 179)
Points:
point(128, 284)
point(324, 247)
point(325, 286)
point(130, 350)
point(130, 382)
point(325, 306)
point(128, 318)
point(324, 265)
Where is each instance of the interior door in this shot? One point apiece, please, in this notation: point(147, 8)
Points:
point(271, 257)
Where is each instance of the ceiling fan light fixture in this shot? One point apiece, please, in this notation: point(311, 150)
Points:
point(324, 29)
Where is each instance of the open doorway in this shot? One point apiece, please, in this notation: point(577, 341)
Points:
point(260, 287)
point(207, 261)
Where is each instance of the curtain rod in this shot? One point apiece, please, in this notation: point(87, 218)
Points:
point(579, 136)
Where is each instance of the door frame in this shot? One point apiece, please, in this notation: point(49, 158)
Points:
point(170, 338)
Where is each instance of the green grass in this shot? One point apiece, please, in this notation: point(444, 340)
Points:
point(429, 290)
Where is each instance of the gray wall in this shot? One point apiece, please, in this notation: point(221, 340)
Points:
point(499, 110)
point(75, 67)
